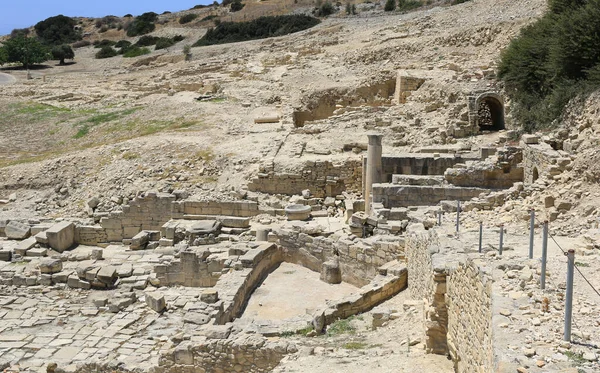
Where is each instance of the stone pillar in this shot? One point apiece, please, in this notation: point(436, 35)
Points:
point(374, 168)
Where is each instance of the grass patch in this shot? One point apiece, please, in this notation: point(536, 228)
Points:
point(580, 264)
point(130, 155)
point(289, 272)
point(83, 130)
point(301, 332)
point(575, 357)
point(340, 327)
point(355, 345)
point(84, 127)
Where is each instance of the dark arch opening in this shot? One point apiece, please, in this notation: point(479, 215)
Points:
point(536, 175)
point(490, 114)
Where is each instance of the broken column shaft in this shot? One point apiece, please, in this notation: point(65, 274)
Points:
point(374, 168)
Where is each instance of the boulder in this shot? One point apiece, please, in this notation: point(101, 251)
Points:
point(209, 296)
point(140, 240)
point(107, 275)
point(17, 231)
point(330, 272)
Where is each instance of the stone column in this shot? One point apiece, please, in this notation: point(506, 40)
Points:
point(374, 168)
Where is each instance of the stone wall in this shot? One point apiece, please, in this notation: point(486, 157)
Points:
point(194, 268)
point(540, 160)
point(469, 301)
point(323, 178)
point(415, 164)
point(359, 261)
point(405, 85)
point(151, 211)
point(456, 294)
point(421, 195)
point(247, 353)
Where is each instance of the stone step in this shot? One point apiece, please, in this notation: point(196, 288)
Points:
point(392, 195)
point(401, 179)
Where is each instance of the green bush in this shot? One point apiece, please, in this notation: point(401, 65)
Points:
point(57, 30)
point(178, 38)
point(209, 17)
point(552, 61)
point(163, 43)
point(390, 5)
point(106, 52)
point(142, 24)
point(135, 52)
point(146, 41)
point(237, 5)
point(104, 43)
point(122, 44)
point(187, 18)
point(260, 28)
point(325, 9)
point(406, 5)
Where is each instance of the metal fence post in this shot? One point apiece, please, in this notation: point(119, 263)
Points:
point(531, 233)
point(569, 297)
point(544, 255)
point(457, 216)
point(480, 236)
point(501, 239)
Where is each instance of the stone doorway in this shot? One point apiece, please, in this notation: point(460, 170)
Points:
point(486, 112)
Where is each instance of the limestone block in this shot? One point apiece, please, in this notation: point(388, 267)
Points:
point(3, 223)
point(17, 231)
point(140, 240)
point(50, 266)
point(562, 205)
point(156, 301)
point(5, 255)
point(330, 272)
point(25, 245)
point(107, 275)
point(234, 222)
point(209, 296)
point(61, 277)
point(37, 251)
point(61, 236)
point(42, 238)
point(530, 139)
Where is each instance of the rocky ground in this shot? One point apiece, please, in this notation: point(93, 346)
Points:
point(114, 128)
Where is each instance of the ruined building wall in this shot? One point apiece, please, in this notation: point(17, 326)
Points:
point(151, 211)
point(456, 294)
point(405, 85)
point(323, 178)
point(469, 300)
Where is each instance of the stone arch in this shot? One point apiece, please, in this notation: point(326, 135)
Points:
point(489, 109)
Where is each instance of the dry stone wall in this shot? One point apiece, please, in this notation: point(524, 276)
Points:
point(469, 301)
point(322, 178)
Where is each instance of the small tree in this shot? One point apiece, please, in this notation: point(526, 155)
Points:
point(62, 52)
point(389, 5)
point(187, 52)
point(57, 30)
point(3, 56)
point(27, 51)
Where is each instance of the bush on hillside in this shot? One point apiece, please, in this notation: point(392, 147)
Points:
point(163, 43)
point(237, 5)
point(142, 24)
point(260, 28)
point(146, 41)
point(106, 52)
point(135, 52)
point(187, 18)
point(552, 61)
point(122, 44)
point(325, 9)
point(104, 43)
point(406, 5)
point(57, 30)
point(390, 5)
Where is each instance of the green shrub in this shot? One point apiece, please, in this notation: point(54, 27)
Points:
point(106, 52)
point(406, 5)
point(104, 43)
point(146, 41)
point(178, 38)
point(209, 17)
point(135, 52)
point(260, 28)
point(325, 9)
point(163, 43)
point(187, 18)
point(390, 5)
point(553, 61)
point(122, 44)
point(237, 5)
point(142, 24)
point(57, 30)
